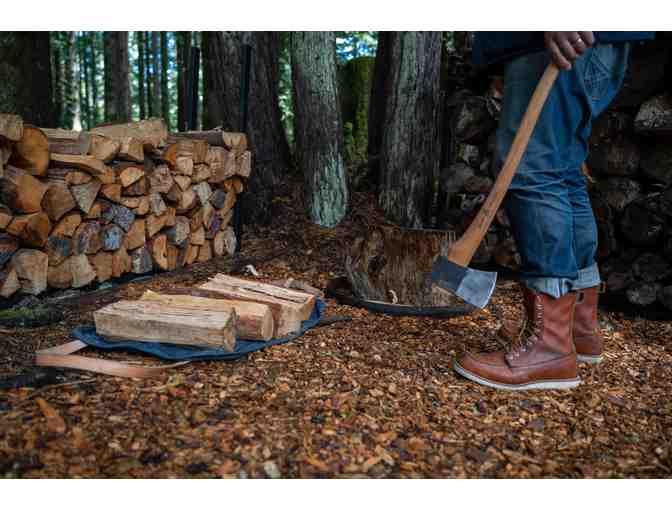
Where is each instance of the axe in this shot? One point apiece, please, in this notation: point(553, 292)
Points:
point(451, 271)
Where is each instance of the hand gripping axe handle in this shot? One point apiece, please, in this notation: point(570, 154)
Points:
point(451, 271)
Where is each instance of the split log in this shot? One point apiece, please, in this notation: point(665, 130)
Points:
point(226, 219)
point(234, 184)
point(655, 116)
point(85, 194)
point(131, 149)
point(205, 252)
point(244, 164)
point(289, 307)
point(60, 276)
point(130, 202)
point(64, 141)
point(121, 262)
point(391, 261)
point(183, 181)
point(170, 211)
point(152, 133)
point(191, 254)
point(255, 320)
point(89, 164)
point(172, 257)
point(651, 267)
point(157, 248)
point(9, 283)
point(77, 177)
point(112, 237)
point(141, 260)
point(230, 241)
point(31, 153)
point(157, 205)
point(222, 164)
point(160, 180)
point(138, 188)
point(95, 212)
point(209, 214)
point(82, 272)
point(31, 269)
point(236, 142)
point(218, 198)
point(8, 247)
point(57, 200)
point(58, 249)
point(212, 230)
point(136, 236)
point(203, 192)
point(102, 265)
point(180, 147)
point(188, 201)
point(184, 165)
point(68, 224)
point(123, 217)
point(620, 191)
point(195, 218)
point(20, 191)
point(218, 244)
point(197, 236)
point(201, 173)
point(11, 127)
point(154, 322)
point(107, 211)
point(6, 217)
point(179, 234)
point(143, 206)
point(104, 148)
point(32, 229)
point(155, 223)
point(128, 173)
point(87, 239)
point(111, 192)
point(174, 195)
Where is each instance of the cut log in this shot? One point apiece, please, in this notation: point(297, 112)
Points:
point(82, 272)
point(197, 236)
point(31, 269)
point(174, 195)
point(6, 217)
point(226, 219)
point(128, 173)
point(123, 217)
point(195, 218)
point(32, 229)
point(102, 265)
point(235, 142)
point(230, 241)
point(143, 207)
point(640, 226)
point(8, 247)
point(11, 127)
point(218, 198)
point(181, 147)
point(154, 322)
point(188, 201)
point(111, 192)
point(172, 256)
point(205, 252)
point(95, 212)
point(184, 165)
point(64, 141)
point(9, 283)
point(138, 188)
point(77, 177)
point(57, 200)
point(218, 244)
point(60, 276)
point(20, 191)
point(68, 224)
point(131, 149)
point(112, 237)
point(655, 117)
point(106, 209)
point(155, 223)
point(152, 133)
point(395, 260)
point(203, 192)
point(121, 262)
point(87, 239)
point(244, 164)
point(289, 307)
point(89, 164)
point(31, 153)
point(136, 236)
point(183, 182)
point(104, 148)
point(643, 293)
point(141, 260)
point(170, 222)
point(179, 234)
point(209, 214)
point(234, 184)
point(201, 173)
point(85, 194)
point(157, 205)
point(191, 254)
point(58, 249)
point(222, 164)
point(130, 202)
point(157, 248)
point(214, 227)
point(254, 320)
point(160, 180)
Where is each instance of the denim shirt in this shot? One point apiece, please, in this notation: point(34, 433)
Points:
point(495, 47)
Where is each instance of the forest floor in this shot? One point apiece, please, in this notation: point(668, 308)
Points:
point(374, 397)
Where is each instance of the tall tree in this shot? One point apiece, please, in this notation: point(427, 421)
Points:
point(57, 70)
point(25, 68)
point(149, 85)
point(165, 98)
point(70, 83)
point(140, 37)
point(93, 74)
point(318, 129)
point(409, 145)
point(266, 136)
point(183, 53)
point(117, 91)
point(85, 102)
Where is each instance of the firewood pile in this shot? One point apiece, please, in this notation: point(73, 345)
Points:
point(78, 207)
point(629, 173)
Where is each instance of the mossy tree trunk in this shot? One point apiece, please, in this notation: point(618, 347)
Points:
point(25, 76)
point(266, 136)
point(409, 151)
point(354, 79)
point(117, 85)
point(318, 127)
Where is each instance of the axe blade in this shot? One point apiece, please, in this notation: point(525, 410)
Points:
point(473, 286)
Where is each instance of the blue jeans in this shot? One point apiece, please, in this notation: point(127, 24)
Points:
point(551, 217)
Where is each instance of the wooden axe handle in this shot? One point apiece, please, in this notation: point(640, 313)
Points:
point(464, 248)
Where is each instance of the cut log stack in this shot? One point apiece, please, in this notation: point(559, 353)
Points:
point(78, 207)
point(213, 315)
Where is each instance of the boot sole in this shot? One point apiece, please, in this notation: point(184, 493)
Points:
point(588, 359)
point(562, 384)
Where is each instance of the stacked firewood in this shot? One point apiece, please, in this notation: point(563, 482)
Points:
point(78, 207)
point(629, 174)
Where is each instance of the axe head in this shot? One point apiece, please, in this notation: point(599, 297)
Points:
point(473, 286)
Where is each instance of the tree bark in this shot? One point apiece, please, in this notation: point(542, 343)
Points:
point(93, 73)
point(379, 91)
point(117, 93)
point(148, 75)
point(57, 67)
point(165, 98)
point(85, 103)
point(70, 87)
point(140, 37)
point(409, 143)
point(25, 67)
point(265, 133)
point(183, 53)
point(318, 127)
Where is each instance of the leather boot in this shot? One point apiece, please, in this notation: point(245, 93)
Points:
point(588, 341)
point(544, 357)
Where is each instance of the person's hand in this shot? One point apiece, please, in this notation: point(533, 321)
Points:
point(566, 47)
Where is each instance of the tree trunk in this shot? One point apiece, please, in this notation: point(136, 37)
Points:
point(93, 73)
point(165, 98)
point(379, 91)
point(409, 143)
point(70, 88)
point(25, 67)
point(148, 75)
point(140, 37)
point(117, 92)
point(319, 133)
point(266, 136)
point(57, 67)
point(84, 81)
point(183, 53)
point(156, 83)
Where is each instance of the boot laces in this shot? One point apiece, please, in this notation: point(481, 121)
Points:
point(528, 336)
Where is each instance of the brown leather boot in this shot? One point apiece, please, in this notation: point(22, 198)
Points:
point(588, 341)
point(544, 357)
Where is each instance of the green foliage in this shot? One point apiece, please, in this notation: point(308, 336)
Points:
point(285, 98)
point(351, 45)
point(354, 77)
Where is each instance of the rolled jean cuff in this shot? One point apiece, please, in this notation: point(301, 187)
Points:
point(558, 287)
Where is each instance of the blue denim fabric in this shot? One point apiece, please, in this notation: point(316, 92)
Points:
point(548, 206)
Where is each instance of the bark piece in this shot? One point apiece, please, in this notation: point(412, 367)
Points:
point(102, 265)
point(58, 249)
point(89, 164)
point(141, 260)
point(154, 322)
point(9, 283)
point(20, 191)
point(31, 269)
point(104, 148)
point(136, 235)
point(152, 133)
point(31, 153)
point(82, 272)
point(85, 194)
point(68, 224)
